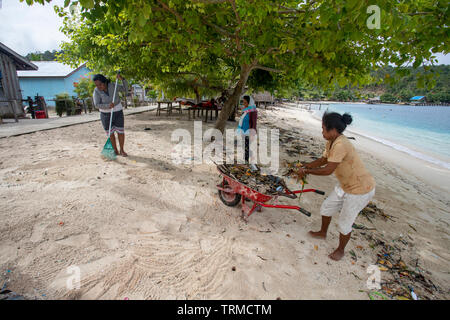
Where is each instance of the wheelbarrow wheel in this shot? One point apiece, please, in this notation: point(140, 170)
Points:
point(230, 199)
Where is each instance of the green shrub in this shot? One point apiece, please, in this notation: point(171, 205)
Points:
point(63, 104)
point(60, 103)
point(387, 97)
point(84, 88)
point(70, 111)
point(89, 104)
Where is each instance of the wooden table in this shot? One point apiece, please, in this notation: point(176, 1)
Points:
point(202, 109)
point(169, 107)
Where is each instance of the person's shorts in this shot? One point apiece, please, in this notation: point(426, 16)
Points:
point(347, 205)
point(117, 122)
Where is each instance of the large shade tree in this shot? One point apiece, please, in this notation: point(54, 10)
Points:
point(323, 42)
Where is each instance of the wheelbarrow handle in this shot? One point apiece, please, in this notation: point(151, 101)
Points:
point(305, 212)
point(319, 192)
point(292, 195)
point(287, 193)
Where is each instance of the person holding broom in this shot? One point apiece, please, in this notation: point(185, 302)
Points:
point(105, 102)
point(356, 186)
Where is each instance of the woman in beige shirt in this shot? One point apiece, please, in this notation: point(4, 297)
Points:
point(356, 186)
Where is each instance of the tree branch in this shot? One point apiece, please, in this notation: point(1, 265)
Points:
point(165, 6)
point(209, 1)
point(419, 13)
point(267, 69)
point(225, 32)
point(238, 19)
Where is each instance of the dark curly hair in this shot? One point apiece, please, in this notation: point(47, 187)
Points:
point(333, 120)
point(101, 78)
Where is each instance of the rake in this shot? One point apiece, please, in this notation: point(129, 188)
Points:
point(108, 150)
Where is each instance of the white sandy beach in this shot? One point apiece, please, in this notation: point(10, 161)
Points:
point(144, 228)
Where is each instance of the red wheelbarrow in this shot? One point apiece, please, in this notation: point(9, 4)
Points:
point(231, 192)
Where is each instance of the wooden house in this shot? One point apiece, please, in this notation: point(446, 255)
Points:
point(10, 93)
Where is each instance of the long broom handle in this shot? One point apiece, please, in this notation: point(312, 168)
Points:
point(112, 110)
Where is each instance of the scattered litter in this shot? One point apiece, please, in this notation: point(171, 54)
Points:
point(356, 276)
point(262, 258)
point(376, 293)
point(371, 212)
point(254, 179)
point(361, 227)
point(413, 294)
point(353, 254)
point(398, 277)
point(233, 268)
point(9, 295)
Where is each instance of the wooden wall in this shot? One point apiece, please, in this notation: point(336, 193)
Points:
point(11, 89)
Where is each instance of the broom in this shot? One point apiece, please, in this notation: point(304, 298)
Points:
point(108, 150)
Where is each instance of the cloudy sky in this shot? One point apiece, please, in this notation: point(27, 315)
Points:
point(27, 29)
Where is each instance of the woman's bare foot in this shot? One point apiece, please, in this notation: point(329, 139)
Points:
point(116, 151)
point(318, 234)
point(123, 154)
point(336, 255)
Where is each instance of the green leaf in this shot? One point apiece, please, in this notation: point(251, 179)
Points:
point(88, 4)
point(142, 20)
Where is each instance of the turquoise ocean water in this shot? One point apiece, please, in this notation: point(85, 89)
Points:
point(422, 131)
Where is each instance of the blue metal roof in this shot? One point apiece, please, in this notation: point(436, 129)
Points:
point(49, 69)
point(417, 97)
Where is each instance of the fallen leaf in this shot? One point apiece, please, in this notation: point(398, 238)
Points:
point(316, 247)
point(383, 269)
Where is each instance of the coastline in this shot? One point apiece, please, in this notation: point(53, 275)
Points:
point(365, 102)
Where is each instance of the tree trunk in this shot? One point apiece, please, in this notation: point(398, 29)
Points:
point(197, 95)
point(229, 105)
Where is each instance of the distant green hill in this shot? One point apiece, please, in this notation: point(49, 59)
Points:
point(418, 82)
point(392, 86)
point(43, 56)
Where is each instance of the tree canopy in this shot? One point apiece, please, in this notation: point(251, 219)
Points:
point(322, 42)
point(43, 56)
